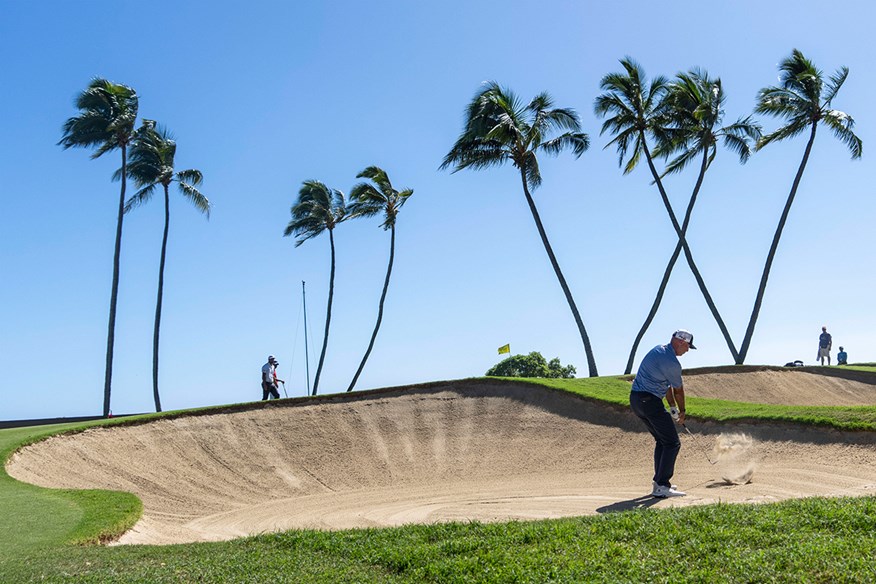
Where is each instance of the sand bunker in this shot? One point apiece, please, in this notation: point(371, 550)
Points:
point(783, 387)
point(481, 450)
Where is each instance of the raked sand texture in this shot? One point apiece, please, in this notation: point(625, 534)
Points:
point(783, 387)
point(470, 450)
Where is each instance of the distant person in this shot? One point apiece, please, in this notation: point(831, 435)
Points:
point(659, 376)
point(824, 343)
point(269, 379)
point(842, 358)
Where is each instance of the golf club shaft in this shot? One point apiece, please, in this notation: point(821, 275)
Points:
point(686, 429)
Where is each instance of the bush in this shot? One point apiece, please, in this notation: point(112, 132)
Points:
point(532, 365)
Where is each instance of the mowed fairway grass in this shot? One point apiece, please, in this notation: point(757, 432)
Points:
point(50, 535)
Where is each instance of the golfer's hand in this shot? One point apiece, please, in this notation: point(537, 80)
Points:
point(680, 419)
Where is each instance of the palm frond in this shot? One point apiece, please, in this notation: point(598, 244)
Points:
point(577, 142)
point(378, 176)
point(475, 154)
point(639, 108)
point(738, 145)
point(833, 86)
point(318, 208)
point(638, 149)
point(195, 196)
point(781, 103)
point(192, 176)
point(107, 115)
point(140, 197)
point(841, 125)
point(678, 163)
point(531, 170)
point(790, 130)
point(622, 142)
point(366, 200)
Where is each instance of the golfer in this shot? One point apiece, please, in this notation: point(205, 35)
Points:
point(659, 376)
point(269, 379)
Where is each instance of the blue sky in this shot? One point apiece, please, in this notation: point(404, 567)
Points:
point(264, 95)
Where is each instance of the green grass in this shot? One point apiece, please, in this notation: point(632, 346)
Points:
point(871, 367)
point(42, 533)
point(811, 540)
point(617, 391)
point(36, 517)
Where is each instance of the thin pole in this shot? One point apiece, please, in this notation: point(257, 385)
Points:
point(306, 354)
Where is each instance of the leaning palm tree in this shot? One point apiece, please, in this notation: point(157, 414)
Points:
point(318, 209)
point(683, 117)
point(499, 128)
point(152, 164)
point(106, 120)
point(369, 199)
point(804, 99)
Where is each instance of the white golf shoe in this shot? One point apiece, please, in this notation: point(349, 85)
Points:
point(662, 492)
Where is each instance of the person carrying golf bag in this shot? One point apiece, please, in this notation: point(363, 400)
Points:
point(269, 379)
point(659, 376)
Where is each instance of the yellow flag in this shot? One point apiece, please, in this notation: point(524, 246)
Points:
point(504, 349)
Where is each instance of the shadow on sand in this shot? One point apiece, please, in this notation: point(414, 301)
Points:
point(642, 502)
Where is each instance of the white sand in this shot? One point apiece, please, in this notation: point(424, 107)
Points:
point(486, 451)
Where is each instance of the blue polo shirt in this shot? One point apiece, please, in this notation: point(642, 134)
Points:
point(658, 371)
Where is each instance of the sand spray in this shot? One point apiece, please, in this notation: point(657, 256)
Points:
point(736, 457)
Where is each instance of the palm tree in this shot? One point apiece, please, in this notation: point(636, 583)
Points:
point(500, 129)
point(369, 199)
point(152, 164)
point(106, 120)
point(683, 117)
point(803, 98)
point(318, 209)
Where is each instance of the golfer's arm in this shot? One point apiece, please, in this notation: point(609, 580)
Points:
point(679, 397)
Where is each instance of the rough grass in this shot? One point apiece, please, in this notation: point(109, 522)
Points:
point(811, 540)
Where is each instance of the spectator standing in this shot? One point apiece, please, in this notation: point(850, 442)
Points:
point(824, 343)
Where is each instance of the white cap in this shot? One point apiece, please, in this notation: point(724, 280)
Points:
point(684, 335)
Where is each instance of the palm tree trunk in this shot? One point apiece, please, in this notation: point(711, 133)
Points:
point(114, 295)
point(591, 362)
point(328, 314)
point(749, 332)
point(669, 267)
point(379, 308)
point(689, 257)
point(157, 329)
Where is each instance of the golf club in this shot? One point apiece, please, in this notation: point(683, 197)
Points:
point(284, 388)
point(695, 440)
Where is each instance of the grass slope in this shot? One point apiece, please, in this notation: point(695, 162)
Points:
point(813, 540)
point(616, 390)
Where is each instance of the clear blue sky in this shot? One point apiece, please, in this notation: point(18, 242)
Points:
point(264, 95)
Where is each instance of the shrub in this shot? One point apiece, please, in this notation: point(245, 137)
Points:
point(532, 365)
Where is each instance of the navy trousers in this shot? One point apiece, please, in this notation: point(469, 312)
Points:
point(269, 390)
point(650, 409)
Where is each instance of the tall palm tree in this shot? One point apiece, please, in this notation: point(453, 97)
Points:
point(499, 128)
point(319, 208)
point(369, 199)
point(152, 164)
point(803, 98)
point(106, 120)
point(683, 117)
